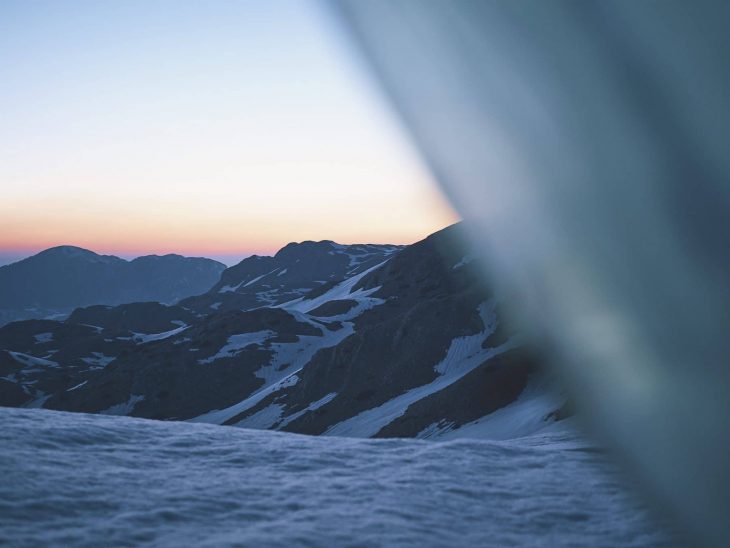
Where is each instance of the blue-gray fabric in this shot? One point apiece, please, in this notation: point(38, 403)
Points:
point(587, 144)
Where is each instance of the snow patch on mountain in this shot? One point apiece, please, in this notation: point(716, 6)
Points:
point(98, 359)
point(464, 355)
point(237, 343)
point(464, 261)
point(219, 416)
point(38, 400)
point(77, 386)
point(311, 407)
point(244, 283)
point(343, 290)
point(527, 415)
point(270, 417)
point(124, 408)
point(43, 337)
point(32, 361)
point(142, 338)
point(263, 419)
point(229, 288)
point(259, 278)
point(281, 371)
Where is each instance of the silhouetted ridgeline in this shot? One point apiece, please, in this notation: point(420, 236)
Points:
point(57, 280)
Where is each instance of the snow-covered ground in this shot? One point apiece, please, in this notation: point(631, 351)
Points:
point(72, 479)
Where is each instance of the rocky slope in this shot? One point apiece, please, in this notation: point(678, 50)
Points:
point(57, 280)
point(385, 342)
point(296, 270)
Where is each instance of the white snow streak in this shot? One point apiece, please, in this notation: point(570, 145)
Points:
point(29, 361)
point(525, 416)
point(77, 386)
point(311, 407)
point(280, 372)
point(464, 355)
point(142, 338)
point(123, 408)
point(237, 343)
point(98, 359)
point(464, 261)
point(342, 291)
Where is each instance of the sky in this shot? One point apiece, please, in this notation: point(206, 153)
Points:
point(217, 128)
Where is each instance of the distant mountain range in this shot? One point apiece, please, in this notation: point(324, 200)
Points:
point(57, 280)
point(363, 340)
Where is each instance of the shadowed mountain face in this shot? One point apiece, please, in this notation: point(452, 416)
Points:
point(365, 341)
point(296, 270)
point(60, 279)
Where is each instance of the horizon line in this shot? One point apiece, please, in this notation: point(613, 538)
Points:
point(10, 255)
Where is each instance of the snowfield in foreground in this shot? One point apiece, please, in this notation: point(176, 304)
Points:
point(73, 479)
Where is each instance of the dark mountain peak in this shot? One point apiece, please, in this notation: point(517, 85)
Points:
point(298, 250)
point(431, 266)
point(297, 269)
point(68, 250)
point(75, 253)
point(62, 278)
point(175, 258)
point(254, 263)
point(155, 257)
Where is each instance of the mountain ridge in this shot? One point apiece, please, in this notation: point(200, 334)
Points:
point(297, 269)
point(59, 279)
point(405, 342)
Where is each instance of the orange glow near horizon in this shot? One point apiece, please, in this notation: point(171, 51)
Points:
point(171, 215)
point(185, 231)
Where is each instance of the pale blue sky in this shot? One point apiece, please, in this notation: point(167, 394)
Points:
point(196, 127)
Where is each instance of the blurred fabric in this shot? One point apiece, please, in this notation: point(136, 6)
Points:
point(587, 144)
